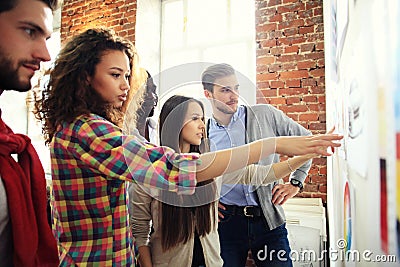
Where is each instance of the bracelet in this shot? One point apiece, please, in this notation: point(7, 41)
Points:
point(290, 167)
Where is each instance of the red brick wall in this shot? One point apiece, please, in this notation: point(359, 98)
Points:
point(119, 15)
point(291, 69)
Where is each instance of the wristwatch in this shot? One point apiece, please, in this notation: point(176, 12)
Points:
point(297, 183)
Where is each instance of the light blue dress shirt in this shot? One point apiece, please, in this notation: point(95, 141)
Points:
point(232, 135)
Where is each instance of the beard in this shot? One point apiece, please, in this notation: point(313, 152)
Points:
point(9, 78)
point(224, 108)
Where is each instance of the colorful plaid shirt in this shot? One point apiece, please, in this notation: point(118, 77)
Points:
point(91, 160)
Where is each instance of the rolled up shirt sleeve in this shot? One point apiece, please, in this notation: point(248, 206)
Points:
point(100, 145)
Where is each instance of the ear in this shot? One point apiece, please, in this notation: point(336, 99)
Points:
point(207, 94)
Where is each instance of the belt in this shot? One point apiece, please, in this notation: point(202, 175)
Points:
point(248, 211)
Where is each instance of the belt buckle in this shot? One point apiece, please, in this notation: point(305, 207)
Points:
point(245, 212)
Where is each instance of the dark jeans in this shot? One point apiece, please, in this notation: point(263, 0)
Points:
point(238, 234)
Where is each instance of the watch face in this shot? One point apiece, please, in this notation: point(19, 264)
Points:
point(296, 183)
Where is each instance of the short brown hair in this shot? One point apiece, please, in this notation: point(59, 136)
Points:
point(214, 72)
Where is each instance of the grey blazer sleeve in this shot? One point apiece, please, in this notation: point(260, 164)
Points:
point(273, 122)
point(288, 127)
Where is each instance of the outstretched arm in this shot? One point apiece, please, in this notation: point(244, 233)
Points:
point(284, 168)
point(256, 175)
point(282, 192)
point(214, 164)
point(302, 145)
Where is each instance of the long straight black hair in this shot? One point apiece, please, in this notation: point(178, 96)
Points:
point(179, 223)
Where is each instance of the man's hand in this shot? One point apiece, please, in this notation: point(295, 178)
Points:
point(220, 215)
point(282, 192)
point(301, 145)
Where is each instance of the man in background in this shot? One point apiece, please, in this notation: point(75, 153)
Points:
point(25, 235)
point(146, 126)
point(250, 218)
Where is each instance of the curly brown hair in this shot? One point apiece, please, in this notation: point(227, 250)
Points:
point(68, 93)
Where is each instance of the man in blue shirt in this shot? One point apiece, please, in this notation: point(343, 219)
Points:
point(251, 218)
